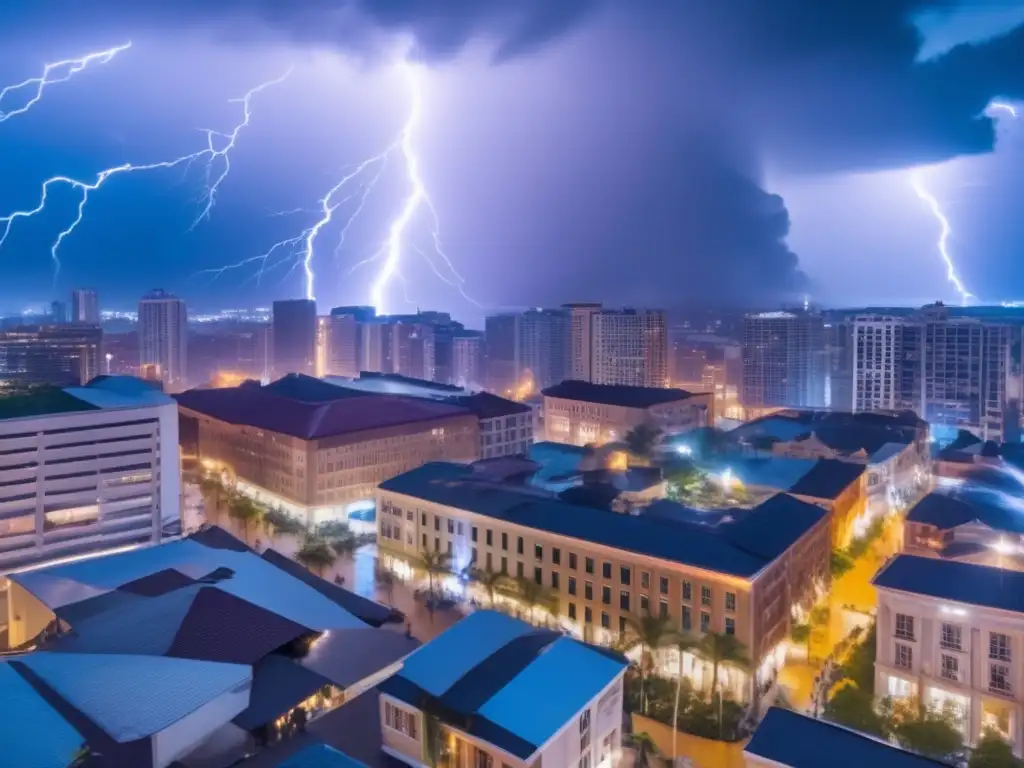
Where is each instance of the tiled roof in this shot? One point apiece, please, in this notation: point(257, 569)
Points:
point(942, 510)
point(966, 583)
point(989, 506)
point(656, 536)
point(488, 406)
point(320, 756)
point(828, 478)
point(278, 684)
point(31, 731)
point(132, 697)
point(797, 741)
point(504, 681)
point(257, 407)
point(769, 529)
point(615, 394)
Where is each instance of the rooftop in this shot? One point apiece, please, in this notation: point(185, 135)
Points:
point(505, 681)
point(314, 417)
point(827, 479)
point(103, 392)
point(26, 716)
point(320, 756)
point(605, 394)
point(779, 521)
point(39, 401)
point(966, 583)
point(790, 739)
point(999, 510)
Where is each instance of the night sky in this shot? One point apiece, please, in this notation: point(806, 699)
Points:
point(645, 152)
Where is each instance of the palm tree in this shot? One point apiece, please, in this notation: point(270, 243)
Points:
point(641, 440)
point(649, 633)
point(435, 563)
point(533, 594)
point(211, 488)
point(245, 511)
point(316, 554)
point(489, 580)
point(685, 643)
point(723, 650)
point(345, 547)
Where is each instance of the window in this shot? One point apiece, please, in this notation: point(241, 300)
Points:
point(538, 552)
point(687, 591)
point(588, 615)
point(904, 656)
point(705, 595)
point(449, 543)
point(588, 590)
point(663, 585)
point(624, 575)
point(730, 601)
point(999, 678)
point(589, 564)
point(622, 625)
point(585, 739)
point(483, 759)
point(519, 569)
point(504, 565)
point(687, 619)
point(606, 595)
point(950, 667)
point(730, 625)
point(705, 621)
point(904, 626)
point(472, 555)
point(473, 533)
point(624, 600)
point(572, 611)
point(519, 546)
point(556, 556)
point(572, 585)
point(645, 579)
point(572, 560)
point(458, 528)
point(424, 541)
point(504, 541)
point(400, 720)
point(538, 575)
point(645, 605)
point(663, 609)
point(998, 646)
point(605, 621)
point(490, 562)
point(437, 522)
point(951, 634)
point(490, 538)
point(606, 570)
point(554, 579)
point(437, 544)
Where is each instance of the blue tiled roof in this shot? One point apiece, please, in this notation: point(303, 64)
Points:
point(951, 580)
point(320, 756)
point(771, 527)
point(447, 484)
point(797, 741)
point(828, 478)
point(515, 690)
point(31, 731)
point(133, 697)
point(993, 507)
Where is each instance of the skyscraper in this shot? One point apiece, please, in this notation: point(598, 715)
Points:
point(467, 359)
point(580, 346)
point(503, 361)
point(163, 339)
point(345, 340)
point(629, 347)
point(58, 355)
point(294, 336)
point(877, 364)
point(544, 347)
point(85, 307)
point(785, 360)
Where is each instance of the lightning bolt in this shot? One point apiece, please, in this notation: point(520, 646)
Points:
point(53, 73)
point(300, 250)
point(944, 232)
point(211, 153)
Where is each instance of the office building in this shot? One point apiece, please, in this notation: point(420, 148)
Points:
point(411, 348)
point(163, 339)
point(59, 355)
point(742, 576)
point(949, 637)
point(878, 357)
point(580, 413)
point(86, 469)
point(784, 361)
point(85, 307)
point(629, 347)
point(295, 329)
point(346, 340)
point(544, 343)
point(318, 450)
point(580, 345)
point(468, 360)
point(840, 345)
point(508, 665)
point(445, 333)
point(503, 367)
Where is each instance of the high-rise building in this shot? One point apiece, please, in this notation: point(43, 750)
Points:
point(323, 345)
point(839, 343)
point(86, 469)
point(629, 347)
point(163, 339)
point(502, 355)
point(61, 355)
point(544, 347)
point(294, 336)
point(877, 364)
point(412, 348)
point(785, 360)
point(580, 346)
point(58, 312)
point(85, 307)
point(345, 340)
point(468, 360)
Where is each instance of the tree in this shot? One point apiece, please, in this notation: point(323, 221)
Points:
point(685, 643)
point(645, 748)
point(213, 489)
point(649, 633)
point(685, 482)
point(860, 662)
point(245, 511)
point(435, 563)
point(992, 751)
point(855, 708)
point(386, 582)
point(928, 731)
point(489, 580)
point(316, 555)
point(279, 521)
point(641, 441)
point(533, 594)
point(723, 650)
point(801, 634)
point(840, 563)
point(344, 547)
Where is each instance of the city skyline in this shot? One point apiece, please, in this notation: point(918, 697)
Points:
point(824, 195)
